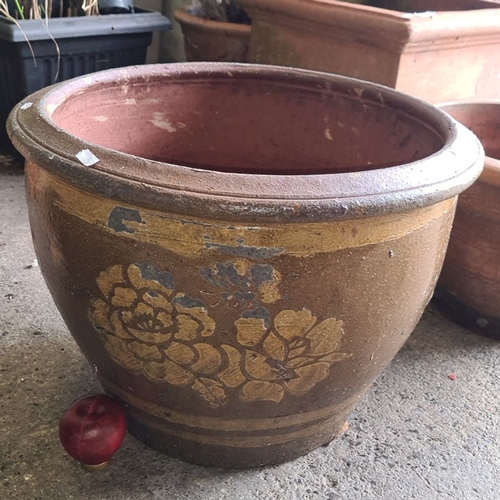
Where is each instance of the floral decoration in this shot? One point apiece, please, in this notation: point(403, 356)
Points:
point(291, 356)
point(149, 327)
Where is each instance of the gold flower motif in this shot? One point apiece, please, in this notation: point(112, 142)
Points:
point(292, 356)
point(147, 327)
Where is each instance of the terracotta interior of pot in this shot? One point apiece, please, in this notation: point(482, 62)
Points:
point(432, 5)
point(251, 125)
point(483, 119)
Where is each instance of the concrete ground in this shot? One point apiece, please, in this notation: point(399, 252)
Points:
point(416, 435)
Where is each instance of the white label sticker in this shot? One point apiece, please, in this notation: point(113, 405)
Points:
point(87, 158)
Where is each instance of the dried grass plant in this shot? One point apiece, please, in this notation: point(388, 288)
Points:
point(23, 10)
point(20, 10)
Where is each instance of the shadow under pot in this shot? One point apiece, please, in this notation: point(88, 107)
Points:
point(469, 287)
point(240, 250)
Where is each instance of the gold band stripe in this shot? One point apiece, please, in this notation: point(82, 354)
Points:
point(323, 428)
point(230, 425)
point(191, 237)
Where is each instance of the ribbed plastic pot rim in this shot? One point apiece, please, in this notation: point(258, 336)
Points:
point(239, 196)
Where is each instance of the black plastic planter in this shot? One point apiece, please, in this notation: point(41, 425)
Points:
point(86, 44)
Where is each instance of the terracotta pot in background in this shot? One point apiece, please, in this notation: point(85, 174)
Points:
point(438, 56)
point(229, 248)
point(469, 287)
point(206, 40)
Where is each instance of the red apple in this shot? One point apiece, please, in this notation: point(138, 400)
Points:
point(92, 429)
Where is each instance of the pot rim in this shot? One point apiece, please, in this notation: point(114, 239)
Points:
point(395, 29)
point(491, 172)
point(185, 18)
point(239, 196)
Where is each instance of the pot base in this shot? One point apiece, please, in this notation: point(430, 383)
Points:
point(228, 443)
point(466, 316)
point(213, 456)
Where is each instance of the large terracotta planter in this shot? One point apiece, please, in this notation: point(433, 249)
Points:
point(469, 287)
point(215, 41)
point(437, 56)
point(239, 250)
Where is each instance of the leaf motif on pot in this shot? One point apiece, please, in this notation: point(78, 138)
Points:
point(124, 297)
point(169, 371)
point(187, 328)
point(293, 324)
point(180, 353)
point(210, 390)
point(250, 331)
point(100, 315)
point(109, 279)
point(258, 366)
point(232, 375)
point(256, 390)
point(144, 351)
point(269, 292)
point(326, 337)
point(209, 359)
point(122, 355)
point(196, 310)
point(307, 377)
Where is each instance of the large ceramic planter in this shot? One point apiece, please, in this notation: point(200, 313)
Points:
point(84, 45)
point(239, 250)
point(206, 40)
point(437, 56)
point(469, 286)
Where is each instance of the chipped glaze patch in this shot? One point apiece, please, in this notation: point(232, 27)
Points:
point(242, 250)
point(247, 284)
point(120, 215)
point(159, 120)
point(51, 108)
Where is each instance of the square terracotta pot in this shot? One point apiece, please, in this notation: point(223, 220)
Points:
point(449, 50)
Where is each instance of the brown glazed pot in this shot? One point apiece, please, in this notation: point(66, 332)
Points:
point(469, 287)
point(438, 56)
point(248, 246)
point(215, 41)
